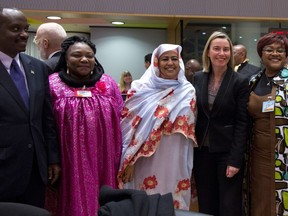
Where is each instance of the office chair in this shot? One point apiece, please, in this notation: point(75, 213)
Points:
point(18, 209)
point(179, 212)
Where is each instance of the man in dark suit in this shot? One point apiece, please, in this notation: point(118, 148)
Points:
point(147, 60)
point(241, 64)
point(49, 37)
point(29, 151)
point(191, 67)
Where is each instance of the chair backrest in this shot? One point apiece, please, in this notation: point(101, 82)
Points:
point(188, 213)
point(18, 209)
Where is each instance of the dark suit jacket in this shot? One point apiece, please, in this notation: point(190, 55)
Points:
point(248, 70)
point(129, 202)
point(25, 133)
point(227, 122)
point(52, 62)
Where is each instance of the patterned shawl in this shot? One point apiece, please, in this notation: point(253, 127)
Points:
point(156, 106)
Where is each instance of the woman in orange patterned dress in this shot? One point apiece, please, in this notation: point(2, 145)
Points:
point(158, 129)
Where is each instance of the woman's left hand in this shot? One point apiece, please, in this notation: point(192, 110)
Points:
point(231, 171)
point(128, 174)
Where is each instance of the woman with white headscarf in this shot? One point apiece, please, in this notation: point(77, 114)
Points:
point(158, 121)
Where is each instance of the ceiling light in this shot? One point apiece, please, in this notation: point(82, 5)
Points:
point(54, 17)
point(117, 23)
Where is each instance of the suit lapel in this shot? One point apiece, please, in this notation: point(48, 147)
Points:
point(204, 93)
point(8, 84)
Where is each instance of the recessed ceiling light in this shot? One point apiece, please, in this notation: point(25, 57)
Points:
point(54, 17)
point(117, 23)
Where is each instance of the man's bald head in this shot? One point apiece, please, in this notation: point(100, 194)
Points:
point(239, 54)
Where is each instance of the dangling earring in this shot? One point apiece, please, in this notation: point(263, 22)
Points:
point(67, 71)
point(91, 72)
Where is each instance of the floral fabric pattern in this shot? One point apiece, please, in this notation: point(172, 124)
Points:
point(157, 124)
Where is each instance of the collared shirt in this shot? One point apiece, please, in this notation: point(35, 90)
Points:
point(237, 66)
point(7, 60)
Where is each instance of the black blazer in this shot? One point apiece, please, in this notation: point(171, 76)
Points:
point(227, 122)
point(248, 70)
point(52, 62)
point(129, 202)
point(25, 133)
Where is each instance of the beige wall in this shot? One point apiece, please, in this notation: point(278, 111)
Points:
point(205, 8)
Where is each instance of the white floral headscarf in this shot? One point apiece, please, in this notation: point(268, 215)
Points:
point(156, 106)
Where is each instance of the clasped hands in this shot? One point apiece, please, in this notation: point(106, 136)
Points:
point(127, 174)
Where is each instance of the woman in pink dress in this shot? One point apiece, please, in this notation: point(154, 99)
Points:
point(87, 105)
point(158, 129)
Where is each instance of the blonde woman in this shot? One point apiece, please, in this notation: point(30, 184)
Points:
point(221, 130)
point(125, 83)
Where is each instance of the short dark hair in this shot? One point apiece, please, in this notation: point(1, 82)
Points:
point(147, 58)
point(270, 38)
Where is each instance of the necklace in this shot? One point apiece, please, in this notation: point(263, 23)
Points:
point(269, 80)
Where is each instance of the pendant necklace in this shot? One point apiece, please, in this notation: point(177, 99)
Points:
point(269, 80)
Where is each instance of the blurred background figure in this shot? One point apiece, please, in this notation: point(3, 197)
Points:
point(147, 60)
point(286, 63)
point(191, 67)
point(269, 144)
point(158, 129)
point(125, 83)
point(241, 62)
point(87, 105)
point(49, 37)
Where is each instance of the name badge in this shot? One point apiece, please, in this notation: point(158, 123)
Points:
point(268, 106)
point(83, 93)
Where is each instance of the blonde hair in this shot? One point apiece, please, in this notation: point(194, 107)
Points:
point(206, 59)
point(121, 83)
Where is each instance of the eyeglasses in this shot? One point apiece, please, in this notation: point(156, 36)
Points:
point(270, 51)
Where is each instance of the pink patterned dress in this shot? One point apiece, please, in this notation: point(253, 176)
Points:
point(90, 136)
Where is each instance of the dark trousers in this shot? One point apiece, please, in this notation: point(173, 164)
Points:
point(217, 194)
point(34, 194)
